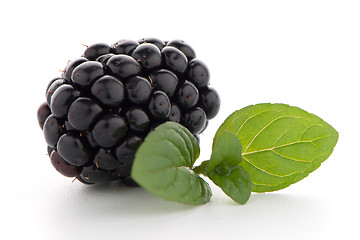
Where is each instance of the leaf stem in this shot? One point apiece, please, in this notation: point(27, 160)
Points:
point(202, 168)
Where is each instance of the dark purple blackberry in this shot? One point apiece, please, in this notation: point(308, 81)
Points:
point(198, 73)
point(175, 59)
point(82, 113)
point(148, 55)
point(52, 88)
point(160, 105)
point(52, 130)
point(83, 181)
point(42, 114)
point(188, 95)
point(62, 166)
point(123, 171)
point(109, 130)
point(92, 174)
point(184, 47)
point(105, 103)
point(61, 100)
point(125, 46)
point(195, 120)
point(108, 90)
point(49, 150)
point(104, 159)
point(138, 119)
point(72, 149)
point(125, 152)
point(175, 114)
point(96, 50)
point(86, 73)
point(66, 127)
point(210, 102)
point(123, 66)
point(157, 42)
point(165, 81)
point(71, 66)
point(138, 90)
point(104, 58)
point(89, 140)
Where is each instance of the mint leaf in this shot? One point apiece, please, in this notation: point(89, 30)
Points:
point(162, 165)
point(281, 144)
point(224, 170)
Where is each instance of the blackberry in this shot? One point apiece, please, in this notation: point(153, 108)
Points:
point(109, 130)
point(175, 59)
point(72, 149)
point(198, 73)
point(70, 68)
point(96, 50)
point(188, 95)
point(165, 81)
point(125, 152)
point(62, 99)
point(160, 105)
point(105, 159)
point(138, 119)
point(86, 73)
point(42, 114)
point(49, 150)
point(138, 90)
point(62, 166)
point(104, 58)
point(98, 112)
point(125, 46)
point(108, 90)
point(92, 174)
point(123, 66)
point(52, 130)
point(148, 55)
point(157, 42)
point(195, 120)
point(175, 114)
point(82, 113)
point(183, 47)
point(210, 102)
point(54, 84)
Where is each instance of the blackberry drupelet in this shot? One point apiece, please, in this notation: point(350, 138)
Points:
point(99, 111)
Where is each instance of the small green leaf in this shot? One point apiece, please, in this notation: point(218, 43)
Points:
point(162, 165)
point(224, 170)
point(281, 144)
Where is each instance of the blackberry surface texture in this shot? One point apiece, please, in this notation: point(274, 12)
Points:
point(98, 112)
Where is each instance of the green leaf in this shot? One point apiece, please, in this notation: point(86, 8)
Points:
point(281, 144)
point(162, 165)
point(224, 170)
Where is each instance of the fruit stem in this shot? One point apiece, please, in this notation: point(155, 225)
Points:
point(202, 168)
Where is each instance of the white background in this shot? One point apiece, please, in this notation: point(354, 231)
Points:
point(304, 53)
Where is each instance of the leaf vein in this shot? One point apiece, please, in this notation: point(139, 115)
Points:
point(306, 129)
point(187, 150)
point(280, 137)
point(266, 126)
point(171, 143)
point(237, 132)
point(172, 181)
point(285, 145)
point(294, 159)
point(264, 170)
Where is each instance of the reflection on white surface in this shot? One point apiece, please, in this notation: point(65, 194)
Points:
point(133, 211)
